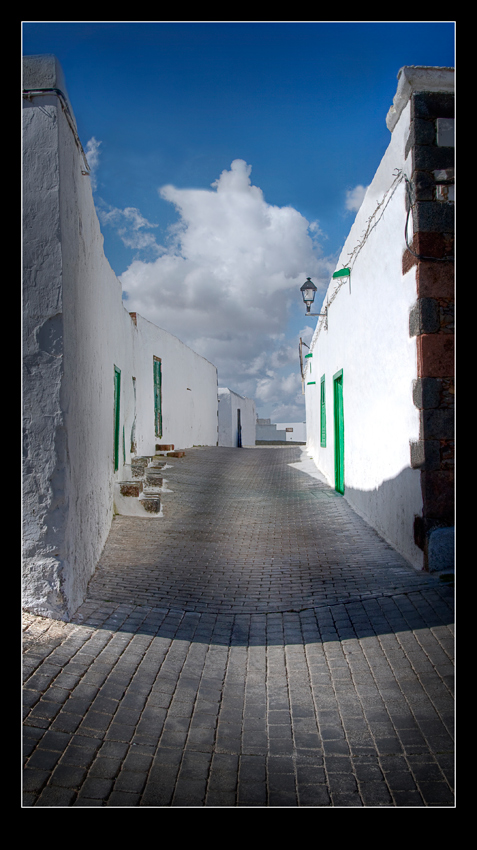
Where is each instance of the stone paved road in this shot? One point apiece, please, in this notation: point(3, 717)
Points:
point(259, 646)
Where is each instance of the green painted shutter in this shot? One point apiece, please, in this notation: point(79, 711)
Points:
point(117, 397)
point(157, 397)
point(322, 413)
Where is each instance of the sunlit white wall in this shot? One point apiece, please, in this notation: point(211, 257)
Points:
point(367, 336)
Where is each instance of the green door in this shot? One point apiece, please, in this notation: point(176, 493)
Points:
point(339, 430)
point(158, 396)
point(322, 412)
point(117, 396)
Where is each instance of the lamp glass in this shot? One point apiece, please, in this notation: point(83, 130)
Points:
point(308, 291)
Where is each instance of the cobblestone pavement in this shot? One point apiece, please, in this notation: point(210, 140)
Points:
point(259, 645)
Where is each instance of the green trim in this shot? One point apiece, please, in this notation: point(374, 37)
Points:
point(157, 367)
point(322, 412)
point(342, 273)
point(117, 402)
point(338, 430)
point(310, 382)
point(308, 355)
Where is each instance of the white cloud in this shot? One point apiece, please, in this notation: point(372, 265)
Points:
point(306, 334)
point(275, 389)
point(92, 157)
point(228, 280)
point(130, 226)
point(354, 198)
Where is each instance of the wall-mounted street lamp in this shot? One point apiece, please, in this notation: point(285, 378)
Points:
point(308, 291)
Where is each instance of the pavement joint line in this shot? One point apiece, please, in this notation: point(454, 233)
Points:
point(353, 683)
point(348, 601)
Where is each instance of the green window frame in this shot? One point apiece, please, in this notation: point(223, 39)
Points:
point(157, 365)
point(308, 357)
point(322, 412)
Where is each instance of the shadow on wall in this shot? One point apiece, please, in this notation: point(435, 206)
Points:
point(431, 540)
point(434, 537)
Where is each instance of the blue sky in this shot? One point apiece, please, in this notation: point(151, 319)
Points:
point(228, 160)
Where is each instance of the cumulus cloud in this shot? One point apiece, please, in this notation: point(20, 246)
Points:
point(228, 281)
point(354, 198)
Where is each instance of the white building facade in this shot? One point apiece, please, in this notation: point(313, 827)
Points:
point(379, 374)
point(100, 385)
point(280, 432)
point(236, 419)
point(295, 432)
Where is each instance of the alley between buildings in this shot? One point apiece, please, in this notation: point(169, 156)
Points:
point(256, 645)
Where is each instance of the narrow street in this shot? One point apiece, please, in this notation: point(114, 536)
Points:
point(258, 645)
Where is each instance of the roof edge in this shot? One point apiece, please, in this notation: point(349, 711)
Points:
point(414, 78)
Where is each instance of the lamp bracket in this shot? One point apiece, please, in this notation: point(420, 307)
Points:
point(325, 314)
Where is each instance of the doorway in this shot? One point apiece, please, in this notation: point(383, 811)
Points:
point(117, 397)
point(239, 429)
point(339, 430)
point(133, 428)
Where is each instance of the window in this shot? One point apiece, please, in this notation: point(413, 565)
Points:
point(322, 412)
point(308, 357)
point(157, 396)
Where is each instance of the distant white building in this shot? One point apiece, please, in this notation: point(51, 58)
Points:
point(236, 419)
point(101, 386)
point(295, 432)
point(379, 376)
point(282, 432)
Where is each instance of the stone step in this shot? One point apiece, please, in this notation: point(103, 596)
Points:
point(138, 465)
point(153, 476)
point(176, 454)
point(131, 500)
point(131, 488)
point(151, 502)
point(141, 494)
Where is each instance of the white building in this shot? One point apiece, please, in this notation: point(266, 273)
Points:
point(295, 432)
point(236, 419)
point(379, 374)
point(100, 386)
point(280, 432)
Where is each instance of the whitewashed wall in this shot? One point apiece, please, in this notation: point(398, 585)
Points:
point(229, 403)
point(298, 434)
point(76, 330)
point(368, 337)
point(189, 391)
